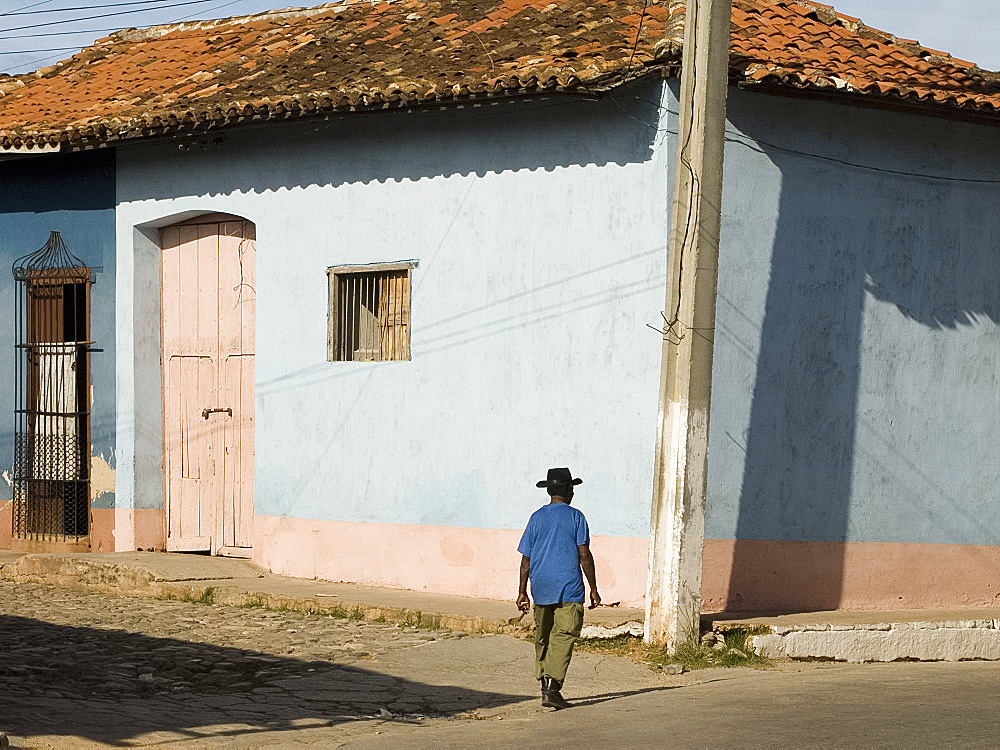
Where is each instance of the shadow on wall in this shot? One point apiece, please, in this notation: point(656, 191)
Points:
point(848, 238)
point(68, 682)
point(506, 135)
point(58, 182)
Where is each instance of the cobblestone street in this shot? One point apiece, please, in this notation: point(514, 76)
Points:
point(117, 670)
point(81, 669)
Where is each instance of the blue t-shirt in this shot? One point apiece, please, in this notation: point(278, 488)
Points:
point(550, 541)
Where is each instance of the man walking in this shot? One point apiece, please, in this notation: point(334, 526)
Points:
point(554, 548)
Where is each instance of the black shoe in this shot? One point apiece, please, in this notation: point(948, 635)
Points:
point(551, 697)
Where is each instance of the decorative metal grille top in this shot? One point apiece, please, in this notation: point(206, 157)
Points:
point(51, 259)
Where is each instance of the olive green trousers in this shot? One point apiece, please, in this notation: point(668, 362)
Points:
point(557, 626)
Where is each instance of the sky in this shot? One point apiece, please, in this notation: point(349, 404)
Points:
point(968, 29)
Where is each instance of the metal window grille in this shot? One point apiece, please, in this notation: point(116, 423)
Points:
point(369, 317)
point(52, 417)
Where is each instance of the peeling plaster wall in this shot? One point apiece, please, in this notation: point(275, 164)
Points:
point(540, 233)
point(75, 195)
point(102, 478)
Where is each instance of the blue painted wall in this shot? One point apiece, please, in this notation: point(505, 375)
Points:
point(75, 195)
point(540, 231)
point(857, 358)
point(857, 344)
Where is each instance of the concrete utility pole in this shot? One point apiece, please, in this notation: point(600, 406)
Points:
point(677, 531)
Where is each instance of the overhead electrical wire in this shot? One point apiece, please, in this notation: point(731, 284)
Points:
point(62, 33)
point(113, 29)
point(33, 51)
point(635, 47)
point(757, 144)
point(101, 15)
point(32, 63)
point(155, 5)
point(94, 31)
point(208, 10)
point(25, 7)
point(75, 8)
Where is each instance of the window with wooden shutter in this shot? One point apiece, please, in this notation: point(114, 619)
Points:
point(369, 315)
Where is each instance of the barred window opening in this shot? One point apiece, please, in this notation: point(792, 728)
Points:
point(369, 317)
point(52, 416)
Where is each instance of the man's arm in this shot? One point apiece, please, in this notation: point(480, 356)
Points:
point(523, 603)
point(587, 564)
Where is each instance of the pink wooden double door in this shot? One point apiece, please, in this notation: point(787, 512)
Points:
point(208, 304)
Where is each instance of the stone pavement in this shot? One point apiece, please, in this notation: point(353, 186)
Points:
point(839, 635)
point(82, 668)
point(817, 705)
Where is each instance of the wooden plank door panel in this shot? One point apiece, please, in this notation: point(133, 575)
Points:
point(190, 384)
point(189, 452)
point(237, 304)
point(237, 506)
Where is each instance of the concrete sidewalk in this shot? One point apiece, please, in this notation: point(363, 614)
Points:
point(238, 582)
point(926, 635)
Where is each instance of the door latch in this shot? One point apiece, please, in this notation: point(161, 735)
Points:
point(205, 412)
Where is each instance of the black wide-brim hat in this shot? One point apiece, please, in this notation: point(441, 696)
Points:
point(559, 477)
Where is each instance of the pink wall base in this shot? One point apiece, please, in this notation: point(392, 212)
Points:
point(440, 559)
point(6, 523)
point(148, 527)
point(102, 530)
point(762, 576)
point(738, 576)
point(125, 529)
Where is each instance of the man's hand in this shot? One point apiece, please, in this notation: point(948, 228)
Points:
point(587, 564)
point(523, 603)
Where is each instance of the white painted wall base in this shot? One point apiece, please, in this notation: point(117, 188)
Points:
point(917, 641)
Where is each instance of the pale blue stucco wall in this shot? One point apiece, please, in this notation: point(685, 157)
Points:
point(539, 230)
point(857, 360)
point(855, 385)
point(73, 194)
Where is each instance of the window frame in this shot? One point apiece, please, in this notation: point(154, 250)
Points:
point(334, 275)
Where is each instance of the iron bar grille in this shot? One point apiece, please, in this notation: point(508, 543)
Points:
point(370, 315)
point(51, 414)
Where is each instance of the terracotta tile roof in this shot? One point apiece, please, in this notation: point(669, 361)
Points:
point(352, 55)
point(364, 54)
point(809, 45)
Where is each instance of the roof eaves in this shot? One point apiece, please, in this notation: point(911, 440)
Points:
point(791, 86)
point(172, 123)
point(107, 132)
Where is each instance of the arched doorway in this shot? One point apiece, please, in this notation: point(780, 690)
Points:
point(208, 320)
